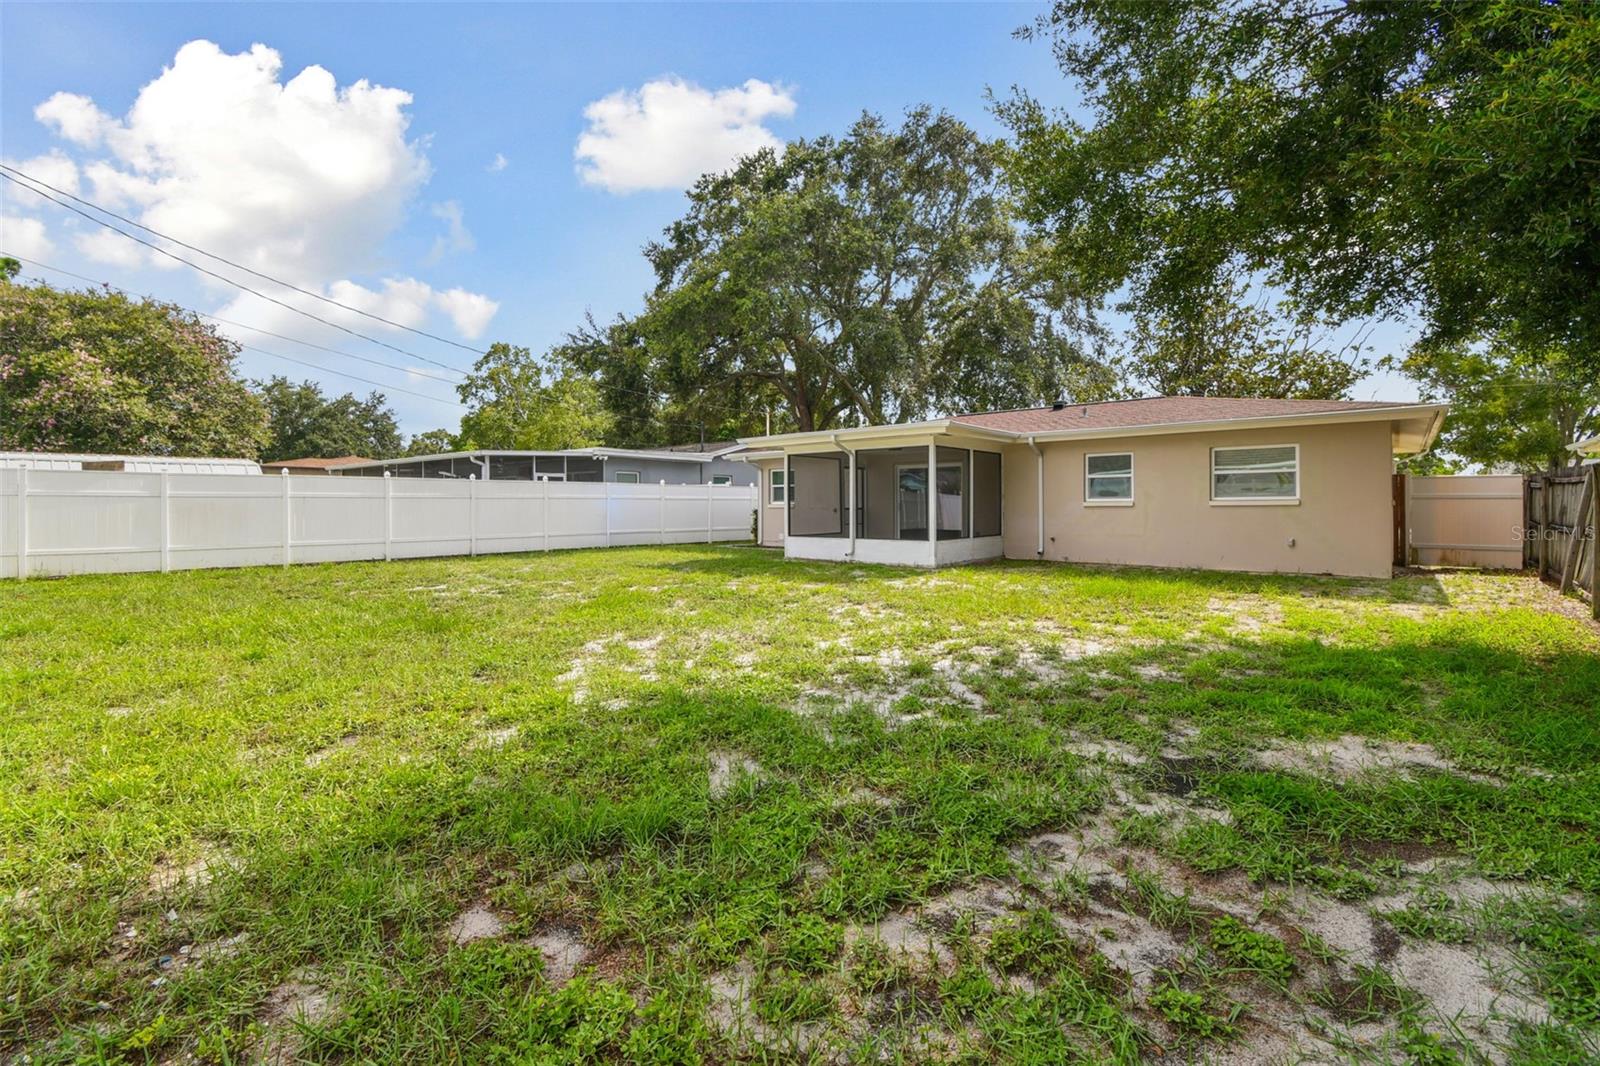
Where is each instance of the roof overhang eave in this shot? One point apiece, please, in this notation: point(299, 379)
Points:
point(867, 436)
point(1415, 425)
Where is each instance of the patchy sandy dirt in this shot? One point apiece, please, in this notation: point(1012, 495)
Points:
point(478, 922)
point(288, 1006)
point(726, 768)
point(1349, 757)
point(563, 950)
point(169, 875)
point(498, 738)
point(322, 755)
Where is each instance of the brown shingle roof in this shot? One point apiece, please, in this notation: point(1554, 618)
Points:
point(1156, 411)
point(317, 462)
point(708, 446)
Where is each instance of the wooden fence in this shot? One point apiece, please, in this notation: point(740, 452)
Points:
point(1561, 529)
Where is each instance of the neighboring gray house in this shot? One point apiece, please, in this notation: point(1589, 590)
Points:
point(680, 465)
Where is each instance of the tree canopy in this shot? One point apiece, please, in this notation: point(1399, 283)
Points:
point(96, 371)
point(879, 277)
point(1228, 346)
point(302, 422)
point(1435, 159)
point(516, 401)
point(1510, 405)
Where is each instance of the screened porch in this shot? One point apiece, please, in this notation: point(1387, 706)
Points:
point(916, 504)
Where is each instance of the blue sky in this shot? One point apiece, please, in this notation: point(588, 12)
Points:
point(418, 221)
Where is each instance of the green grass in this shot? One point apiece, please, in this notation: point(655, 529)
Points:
point(359, 753)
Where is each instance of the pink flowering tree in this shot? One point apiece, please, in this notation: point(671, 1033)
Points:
point(94, 371)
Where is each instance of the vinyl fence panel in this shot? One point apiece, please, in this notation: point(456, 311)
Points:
point(1466, 520)
point(68, 522)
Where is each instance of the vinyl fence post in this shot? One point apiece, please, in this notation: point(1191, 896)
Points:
point(388, 516)
point(544, 512)
point(472, 514)
point(166, 521)
point(288, 521)
point(661, 508)
point(22, 523)
point(606, 486)
point(710, 498)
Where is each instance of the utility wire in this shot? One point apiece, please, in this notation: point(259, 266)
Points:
point(239, 325)
point(240, 266)
point(221, 277)
point(352, 377)
point(654, 396)
point(650, 419)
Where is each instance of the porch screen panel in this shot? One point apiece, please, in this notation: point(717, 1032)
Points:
point(881, 513)
point(985, 494)
point(584, 468)
point(510, 468)
point(955, 504)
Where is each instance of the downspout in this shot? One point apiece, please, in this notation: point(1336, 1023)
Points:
point(1038, 494)
point(850, 554)
point(483, 464)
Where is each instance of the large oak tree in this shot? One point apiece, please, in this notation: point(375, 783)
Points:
point(877, 277)
point(1436, 159)
point(303, 422)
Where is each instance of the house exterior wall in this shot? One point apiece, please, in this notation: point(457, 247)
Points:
point(652, 471)
point(1342, 523)
point(771, 515)
point(741, 473)
point(676, 473)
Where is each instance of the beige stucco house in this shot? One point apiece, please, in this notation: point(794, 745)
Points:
point(1295, 486)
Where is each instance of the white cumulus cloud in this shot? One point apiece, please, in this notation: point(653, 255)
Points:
point(669, 132)
point(23, 236)
point(55, 169)
point(303, 179)
point(456, 236)
point(498, 163)
point(103, 246)
point(470, 311)
point(74, 117)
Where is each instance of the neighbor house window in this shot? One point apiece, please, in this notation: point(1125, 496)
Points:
point(1270, 472)
point(779, 480)
point(627, 477)
point(1108, 479)
point(722, 479)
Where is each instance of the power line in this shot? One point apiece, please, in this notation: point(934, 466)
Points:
point(651, 419)
point(241, 266)
point(240, 325)
point(352, 377)
point(288, 358)
point(221, 277)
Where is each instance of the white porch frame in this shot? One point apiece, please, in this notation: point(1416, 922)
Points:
point(923, 552)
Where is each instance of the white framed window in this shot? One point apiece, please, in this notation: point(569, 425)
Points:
point(1265, 473)
point(722, 479)
point(627, 477)
point(776, 495)
point(1108, 479)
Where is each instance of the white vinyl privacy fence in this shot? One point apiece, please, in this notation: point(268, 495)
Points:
point(74, 522)
point(1465, 520)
